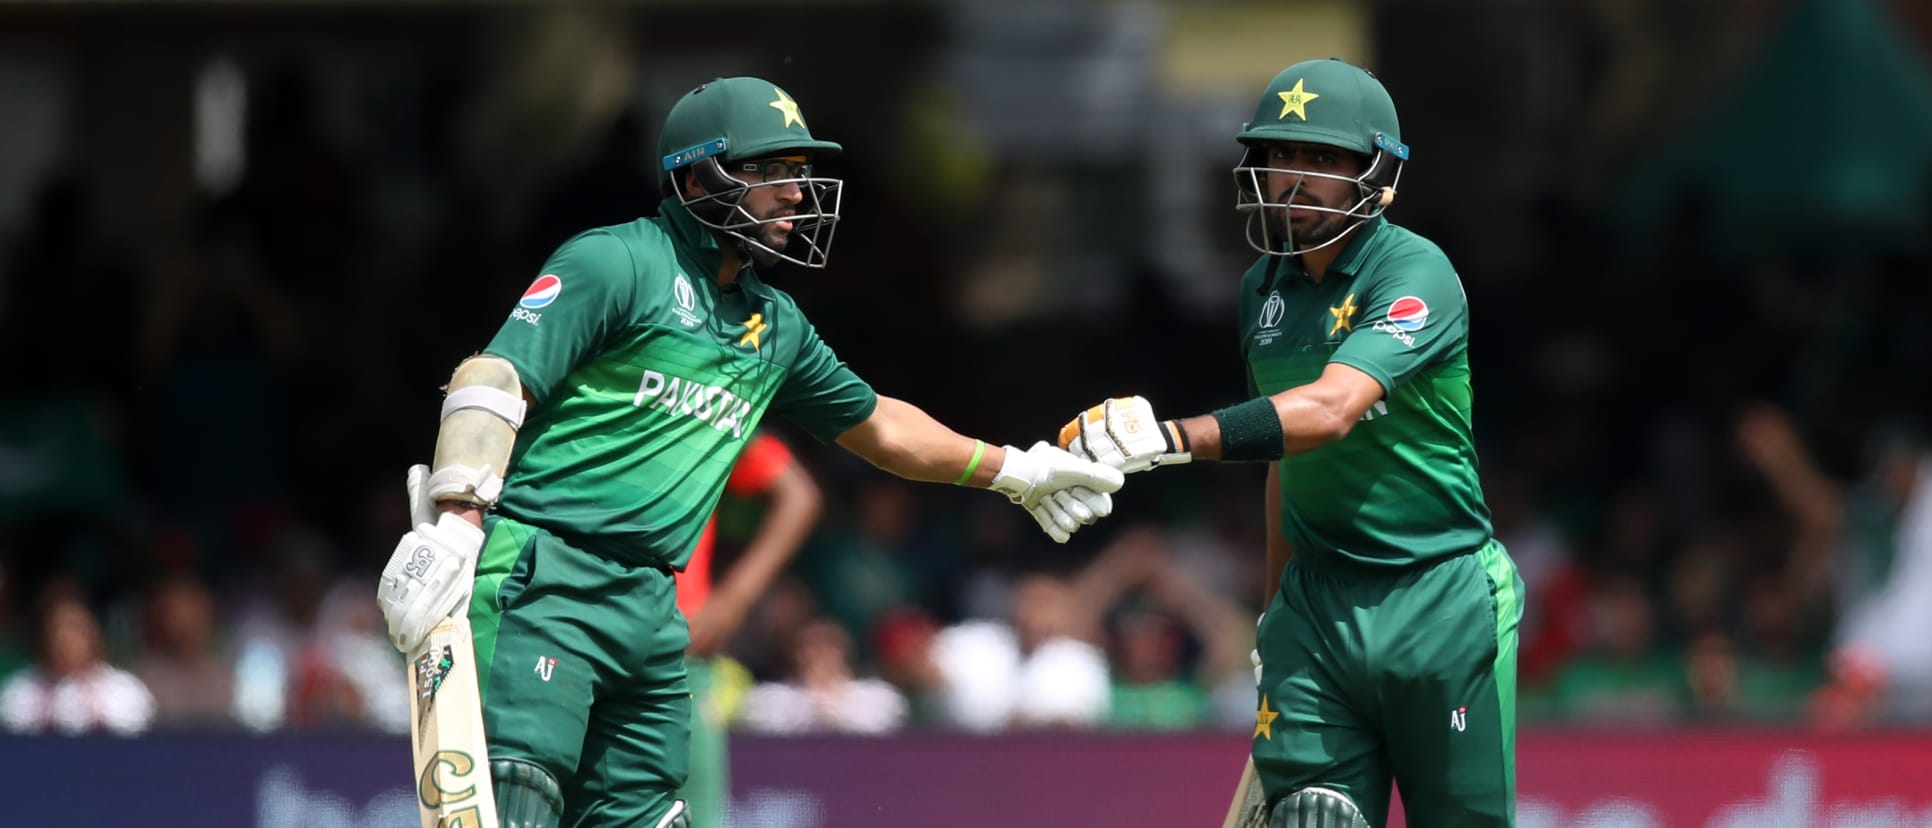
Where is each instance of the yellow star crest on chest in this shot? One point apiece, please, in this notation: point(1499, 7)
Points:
point(788, 106)
point(1343, 314)
point(754, 326)
point(1294, 100)
point(1264, 720)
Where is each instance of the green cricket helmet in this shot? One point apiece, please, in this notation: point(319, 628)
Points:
point(1328, 102)
point(750, 127)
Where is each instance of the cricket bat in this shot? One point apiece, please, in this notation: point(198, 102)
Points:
point(451, 761)
point(1249, 808)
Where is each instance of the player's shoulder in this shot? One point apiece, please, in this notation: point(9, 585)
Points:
point(1403, 254)
point(642, 241)
point(598, 251)
point(1401, 245)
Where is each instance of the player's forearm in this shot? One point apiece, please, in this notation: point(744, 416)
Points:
point(795, 506)
point(1805, 492)
point(467, 511)
point(1308, 420)
point(902, 439)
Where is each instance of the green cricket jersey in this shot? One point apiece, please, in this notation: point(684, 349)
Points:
point(648, 378)
point(1401, 488)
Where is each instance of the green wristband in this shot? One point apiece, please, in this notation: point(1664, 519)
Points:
point(1251, 432)
point(979, 450)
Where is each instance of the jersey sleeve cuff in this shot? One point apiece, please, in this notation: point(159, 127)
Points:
point(525, 376)
point(1374, 371)
point(831, 432)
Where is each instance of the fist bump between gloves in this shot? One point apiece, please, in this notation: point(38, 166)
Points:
point(1062, 492)
point(1124, 433)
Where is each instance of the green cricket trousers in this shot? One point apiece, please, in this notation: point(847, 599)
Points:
point(581, 663)
point(1407, 675)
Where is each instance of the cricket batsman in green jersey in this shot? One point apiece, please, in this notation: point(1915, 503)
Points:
point(1388, 649)
point(581, 453)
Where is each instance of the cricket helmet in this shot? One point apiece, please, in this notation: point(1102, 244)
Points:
point(749, 125)
point(1328, 102)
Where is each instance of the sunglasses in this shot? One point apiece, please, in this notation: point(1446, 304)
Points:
point(779, 169)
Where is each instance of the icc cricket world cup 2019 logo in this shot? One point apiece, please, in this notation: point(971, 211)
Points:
point(431, 668)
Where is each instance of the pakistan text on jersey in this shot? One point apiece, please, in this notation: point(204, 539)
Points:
point(711, 404)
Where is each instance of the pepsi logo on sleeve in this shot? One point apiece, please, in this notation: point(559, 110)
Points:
point(542, 292)
point(1409, 314)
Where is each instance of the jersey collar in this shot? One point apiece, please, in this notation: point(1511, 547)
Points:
point(1356, 250)
point(1350, 259)
point(691, 236)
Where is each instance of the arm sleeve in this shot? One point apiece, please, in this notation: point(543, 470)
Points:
point(584, 294)
point(758, 466)
point(821, 394)
point(1413, 317)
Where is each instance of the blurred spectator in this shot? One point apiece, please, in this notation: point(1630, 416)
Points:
point(822, 694)
point(1620, 677)
point(887, 554)
point(1173, 639)
point(306, 658)
point(1555, 617)
point(72, 689)
point(993, 537)
point(902, 644)
point(216, 345)
point(1040, 670)
point(1151, 690)
point(761, 643)
point(353, 641)
point(1871, 547)
point(192, 680)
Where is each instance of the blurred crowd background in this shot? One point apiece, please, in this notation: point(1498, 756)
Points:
point(241, 246)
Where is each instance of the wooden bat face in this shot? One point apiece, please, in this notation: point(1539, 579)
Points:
point(1249, 809)
point(451, 759)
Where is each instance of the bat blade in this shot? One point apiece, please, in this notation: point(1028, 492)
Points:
point(451, 760)
point(1249, 807)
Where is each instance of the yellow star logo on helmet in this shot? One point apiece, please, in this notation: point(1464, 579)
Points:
point(788, 106)
point(1294, 100)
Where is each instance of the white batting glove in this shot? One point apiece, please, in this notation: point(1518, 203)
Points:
point(1061, 491)
point(1254, 655)
point(1124, 433)
point(430, 575)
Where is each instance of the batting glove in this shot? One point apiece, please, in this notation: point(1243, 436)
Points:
point(1254, 655)
point(1061, 491)
point(430, 575)
point(1124, 433)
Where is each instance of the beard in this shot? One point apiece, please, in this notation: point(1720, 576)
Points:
point(1309, 230)
point(762, 258)
point(770, 237)
point(1316, 229)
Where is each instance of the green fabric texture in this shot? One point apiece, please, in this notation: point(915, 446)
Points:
point(1371, 677)
point(649, 378)
point(1402, 487)
point(585, 674)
